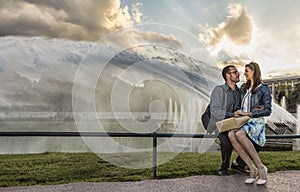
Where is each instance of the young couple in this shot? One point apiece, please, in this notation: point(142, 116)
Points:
point(252, 99)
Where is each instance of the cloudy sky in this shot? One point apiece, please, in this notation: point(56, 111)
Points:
point(267, 32)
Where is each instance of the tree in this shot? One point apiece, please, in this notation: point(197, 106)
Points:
point(293, 99)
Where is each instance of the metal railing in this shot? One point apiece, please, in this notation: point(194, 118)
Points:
point(154, 135)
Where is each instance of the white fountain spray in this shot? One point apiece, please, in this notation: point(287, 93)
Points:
point(170, 111)
point(175, 119)
point(182, 117)
point(283, 102)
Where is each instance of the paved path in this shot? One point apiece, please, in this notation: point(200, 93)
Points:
point(285, 181)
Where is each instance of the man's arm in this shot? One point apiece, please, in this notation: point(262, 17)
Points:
point(217, 100)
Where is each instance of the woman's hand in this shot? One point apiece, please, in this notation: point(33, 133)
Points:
point(239, 112)
point(242, 113)
point(236, 113)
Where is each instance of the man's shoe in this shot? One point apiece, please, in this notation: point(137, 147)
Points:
point(222, 172)
point(238, 169)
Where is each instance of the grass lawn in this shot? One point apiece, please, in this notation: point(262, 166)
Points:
point(58, 168)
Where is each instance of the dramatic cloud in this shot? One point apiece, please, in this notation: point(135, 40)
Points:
point(75, 19)
point(238, 29)
point(134, 37)
point(238, 63)
point(137, 15)
point(288, 71)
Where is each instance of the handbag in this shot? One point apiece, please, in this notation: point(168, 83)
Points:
point(232, 123)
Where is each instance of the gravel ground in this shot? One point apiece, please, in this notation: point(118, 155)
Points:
point(287, 181)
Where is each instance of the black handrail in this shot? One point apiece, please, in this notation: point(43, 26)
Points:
point(115, 134)
point(118, 134)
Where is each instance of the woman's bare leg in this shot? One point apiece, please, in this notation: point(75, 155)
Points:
point(240, 150)
point(249, 148)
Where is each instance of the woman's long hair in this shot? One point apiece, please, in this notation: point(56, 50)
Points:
point(257, 80)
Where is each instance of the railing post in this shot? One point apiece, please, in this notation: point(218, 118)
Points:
point(154, 155)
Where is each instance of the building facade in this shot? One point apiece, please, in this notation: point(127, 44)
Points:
point(288, 83)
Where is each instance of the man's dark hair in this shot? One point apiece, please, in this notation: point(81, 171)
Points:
point(226, 70)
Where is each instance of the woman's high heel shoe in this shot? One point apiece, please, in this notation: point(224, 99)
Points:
point(252, 177)
point(262, 176)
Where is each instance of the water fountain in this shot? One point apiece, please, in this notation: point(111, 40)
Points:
point(280, 114)
point(283, 102)
point(175, 118)
point(296, 143)
point(170, 111)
